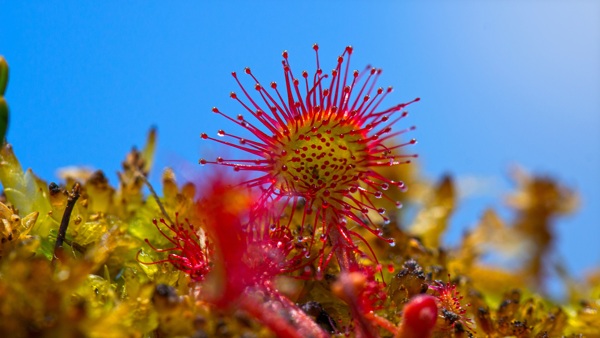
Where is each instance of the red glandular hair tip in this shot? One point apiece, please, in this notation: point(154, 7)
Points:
point(319, 139)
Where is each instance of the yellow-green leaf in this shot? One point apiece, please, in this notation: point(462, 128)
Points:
point(3, 75)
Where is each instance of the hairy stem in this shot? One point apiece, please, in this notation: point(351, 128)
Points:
point(73, 196)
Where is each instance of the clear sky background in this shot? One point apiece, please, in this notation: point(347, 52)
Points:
point(501, 83)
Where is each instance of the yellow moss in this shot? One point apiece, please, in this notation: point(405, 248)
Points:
point(97, 286)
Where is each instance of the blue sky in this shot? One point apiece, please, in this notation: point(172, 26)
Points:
point(501, 83)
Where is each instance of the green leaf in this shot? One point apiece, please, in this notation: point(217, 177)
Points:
point(3, 119)
point(3, 75)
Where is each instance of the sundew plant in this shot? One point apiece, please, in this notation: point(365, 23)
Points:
point(319, 225)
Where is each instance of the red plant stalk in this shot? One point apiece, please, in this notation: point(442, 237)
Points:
point(318, 142)
point(350, 288)
point(365, 295)
point(245, 266)
point(268, 310)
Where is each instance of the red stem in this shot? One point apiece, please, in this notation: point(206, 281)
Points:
point(279, 314)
